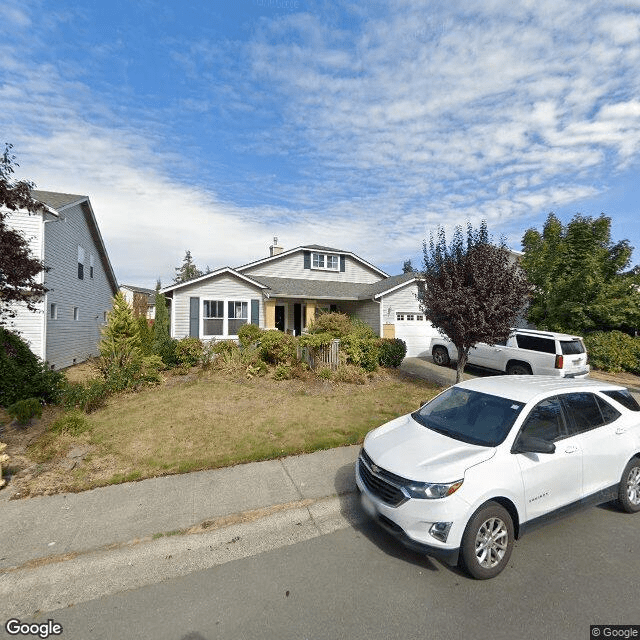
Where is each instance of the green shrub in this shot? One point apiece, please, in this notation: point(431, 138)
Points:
point(249, 334)
point(74, 423)
point(336, 324)
point(86, 396)
point(225, 346)
point(613, 351)
point(165, 348)
point(23, 375)
point(283, 372)
point(324, 372)
point(145, 331)
point(392, 352)
point(277, 347)
point(363, 352)
point(189, 351)
point(23, 410)
point(350, 373)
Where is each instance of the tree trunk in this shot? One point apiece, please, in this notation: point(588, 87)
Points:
point(462, 361)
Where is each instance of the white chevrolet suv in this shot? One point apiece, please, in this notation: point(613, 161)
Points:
point(526, 351)
point(490, 458)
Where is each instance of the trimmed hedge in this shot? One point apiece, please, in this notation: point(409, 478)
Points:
point(613, 351)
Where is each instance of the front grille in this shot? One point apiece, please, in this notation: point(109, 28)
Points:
point(381, 483)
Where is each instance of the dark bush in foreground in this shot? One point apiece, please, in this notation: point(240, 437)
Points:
point(23, 375)
point(23, 410)
point(392, 352)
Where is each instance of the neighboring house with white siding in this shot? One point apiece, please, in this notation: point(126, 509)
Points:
point(65, 329)
point(287, 289)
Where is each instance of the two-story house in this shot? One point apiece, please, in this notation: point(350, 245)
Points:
point(65, 329)
point(286, 289)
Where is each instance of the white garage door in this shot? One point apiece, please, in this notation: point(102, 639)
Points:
point(416, 331)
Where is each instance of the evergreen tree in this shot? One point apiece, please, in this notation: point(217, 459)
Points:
point(188, 270)
point(163, 345)
point(120, 345)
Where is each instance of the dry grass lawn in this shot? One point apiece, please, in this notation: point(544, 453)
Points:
point(204, 421)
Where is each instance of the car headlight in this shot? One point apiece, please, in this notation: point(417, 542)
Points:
point(432, 491)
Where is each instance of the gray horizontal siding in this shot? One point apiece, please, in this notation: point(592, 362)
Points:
point(70, 341)
point(292, 266)
point(221, 288)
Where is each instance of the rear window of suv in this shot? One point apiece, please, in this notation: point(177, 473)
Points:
point(536, 343)
point(624, 398)
point(571, 347)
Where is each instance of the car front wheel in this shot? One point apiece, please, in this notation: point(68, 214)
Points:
point(487, 542)
point(441, 356)
point(629, 490)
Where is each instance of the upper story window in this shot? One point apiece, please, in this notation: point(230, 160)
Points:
point(327, 261)
point(80, 263)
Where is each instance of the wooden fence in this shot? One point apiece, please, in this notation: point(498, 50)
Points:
point(328, 356)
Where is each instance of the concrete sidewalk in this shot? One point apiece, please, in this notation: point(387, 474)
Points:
point(50, 527)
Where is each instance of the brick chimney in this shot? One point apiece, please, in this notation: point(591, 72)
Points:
point(275, 249)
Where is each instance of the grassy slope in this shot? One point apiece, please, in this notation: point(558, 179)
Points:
point(213, 421)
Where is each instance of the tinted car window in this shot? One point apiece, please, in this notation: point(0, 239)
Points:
point(535, 343)
point(609, 414)
point(624, 398)
point(583, 412)
point(545, 421)
point(571, 347)
point(470, 416)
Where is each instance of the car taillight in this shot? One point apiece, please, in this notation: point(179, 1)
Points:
point(559, 362)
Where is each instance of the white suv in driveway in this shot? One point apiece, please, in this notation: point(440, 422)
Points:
point(490, 458)
point(526, 351)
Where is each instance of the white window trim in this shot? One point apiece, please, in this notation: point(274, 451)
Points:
point(225, 316)
point(325, 256)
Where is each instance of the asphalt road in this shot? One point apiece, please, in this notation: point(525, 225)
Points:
point(359, 583)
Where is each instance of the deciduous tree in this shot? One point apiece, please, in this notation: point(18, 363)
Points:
point(472, 291)
point(578, 276)
point(18, 268)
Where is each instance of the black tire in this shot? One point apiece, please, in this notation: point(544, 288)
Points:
point(440, 356)
point(519, 369)
point(629, 490)
point(487, 542)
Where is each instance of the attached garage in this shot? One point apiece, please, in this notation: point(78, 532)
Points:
point(402, 318)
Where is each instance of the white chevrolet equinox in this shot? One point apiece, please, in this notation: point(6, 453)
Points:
point(490, 458)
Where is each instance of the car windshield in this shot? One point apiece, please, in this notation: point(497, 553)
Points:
point(571, 347)
point(470, 416)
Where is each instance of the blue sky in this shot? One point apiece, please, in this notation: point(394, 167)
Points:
point(360, 125)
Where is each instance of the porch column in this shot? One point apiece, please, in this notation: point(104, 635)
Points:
point(270, 314)
point(311, 312)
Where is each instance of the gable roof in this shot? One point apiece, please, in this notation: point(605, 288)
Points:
point(213, 274)
point(59, 202)
point(312, 247)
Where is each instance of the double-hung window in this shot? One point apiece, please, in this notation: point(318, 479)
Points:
point(238, 315)
point(326, 261)
point(80, 263)
point(213, 317)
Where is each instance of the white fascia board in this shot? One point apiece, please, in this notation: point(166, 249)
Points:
point(213, 274)
point(398, 286)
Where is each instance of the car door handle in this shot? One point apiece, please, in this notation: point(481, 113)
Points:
point(571, 449)
point(621, 430)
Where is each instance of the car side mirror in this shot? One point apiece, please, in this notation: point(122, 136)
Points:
point(531, 444)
